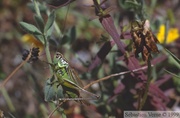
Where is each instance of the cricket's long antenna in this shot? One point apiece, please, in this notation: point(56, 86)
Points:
point(47, 62)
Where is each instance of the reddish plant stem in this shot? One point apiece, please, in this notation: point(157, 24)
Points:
point(108, 24)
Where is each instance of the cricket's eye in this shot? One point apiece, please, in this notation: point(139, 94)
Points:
point(58, 55)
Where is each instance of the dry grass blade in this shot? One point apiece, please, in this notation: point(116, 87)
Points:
point(113, 75)
point(15, 70)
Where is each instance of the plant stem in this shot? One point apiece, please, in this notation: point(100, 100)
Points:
point(46, 43)
point(8, 100)
point(48, 55)
point(44, 110)
point(114, 75)
point(147, 85)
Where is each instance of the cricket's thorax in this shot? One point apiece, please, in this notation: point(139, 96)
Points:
point(63, 63)
point(61, 72)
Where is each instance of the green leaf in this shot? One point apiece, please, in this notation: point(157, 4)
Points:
point(30, 28)
point(52, 90)
point(174, 57)
point(129, 4)
point(50, 21)
point(173, 74)
point(64, 40)
point(53, 42)
point(69, 37)
point(176, 79)
point(39, 22)
point(49, 33)
point(40, 38)
point(42, 7)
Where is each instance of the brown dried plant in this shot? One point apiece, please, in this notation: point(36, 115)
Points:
point(143, 38)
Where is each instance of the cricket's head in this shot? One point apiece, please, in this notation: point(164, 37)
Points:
point(60, 60)
point(58, 55)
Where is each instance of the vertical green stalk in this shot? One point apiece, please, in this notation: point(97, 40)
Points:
point(46, 43)
point(44, 110)
point(147, 85)
point(48, 55)
point(45, 34)
point(166, 32)
point(8, 100)
point(98, 1)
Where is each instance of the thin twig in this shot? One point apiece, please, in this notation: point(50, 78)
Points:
point(15, 70)
point(147, 86)
point(113, 75)
point(56, 109)
point(64, 24)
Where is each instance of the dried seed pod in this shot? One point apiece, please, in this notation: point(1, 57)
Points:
point(34, 52)
point(143, 39)
point(25, 54)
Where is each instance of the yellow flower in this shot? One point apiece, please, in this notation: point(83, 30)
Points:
point(30, 39)
point(172, 35)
